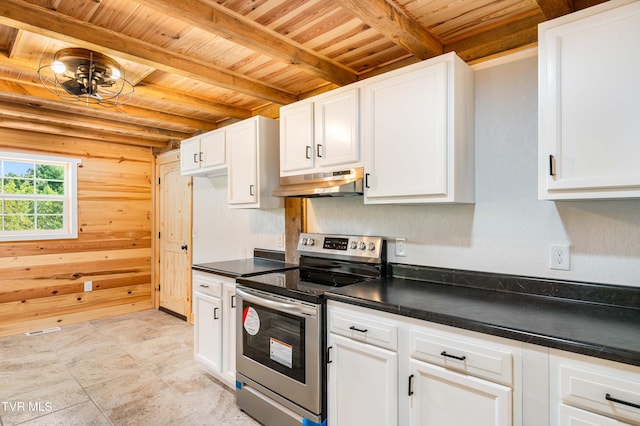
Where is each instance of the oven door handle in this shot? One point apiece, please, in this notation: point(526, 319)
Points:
point(277, 303)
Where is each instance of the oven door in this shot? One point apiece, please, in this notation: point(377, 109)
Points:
point(278, 345)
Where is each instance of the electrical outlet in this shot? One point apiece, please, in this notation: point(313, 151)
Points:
point(88, 286)
point(401, 247)
point(559, 256)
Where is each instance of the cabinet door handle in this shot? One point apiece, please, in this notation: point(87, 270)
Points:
point(319, 150)
point(233, 301)
point(252, 190)
point(200, 156)
point(552, 171)
point(354, 328)
point(215, 313)
point(195, 158)
point(366, 180)
point(329, 355)
point(608, 397)
point(459, 358)
point(411, 385)
point(308, 152)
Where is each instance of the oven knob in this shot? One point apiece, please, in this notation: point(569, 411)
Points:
point(371, 246)
point(311, 242)
point(304, 241)
point(362, 245)
point(353, 245)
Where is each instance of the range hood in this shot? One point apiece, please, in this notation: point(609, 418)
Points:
point(327, 184)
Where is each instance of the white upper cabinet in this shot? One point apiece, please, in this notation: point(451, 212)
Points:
point(320, 133)
point(589, 103)
point(418, 134)
point(253, 163)
point(204, 155)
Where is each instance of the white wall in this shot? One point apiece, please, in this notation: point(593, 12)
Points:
point(221, 233)
point(507, 230)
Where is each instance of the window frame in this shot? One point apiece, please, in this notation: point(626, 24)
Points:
point(70, 199)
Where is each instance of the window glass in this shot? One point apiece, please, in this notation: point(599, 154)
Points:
point(38, 197)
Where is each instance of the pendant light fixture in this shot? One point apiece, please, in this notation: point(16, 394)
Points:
point(82, 75)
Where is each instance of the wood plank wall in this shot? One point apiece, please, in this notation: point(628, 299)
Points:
point(42, 282)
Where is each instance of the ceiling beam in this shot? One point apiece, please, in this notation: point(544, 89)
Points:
point(36, 96)
point(394, 24)
point(217, 19)
point(510, 36)
point(29, 17)
point(554, 8)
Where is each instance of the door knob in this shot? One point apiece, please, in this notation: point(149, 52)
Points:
point(184, 247)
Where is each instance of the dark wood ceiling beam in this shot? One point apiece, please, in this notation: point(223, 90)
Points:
point(394, 24)
point(217, 19)
point(554, 8)
point(501, 39)
point(29, 17)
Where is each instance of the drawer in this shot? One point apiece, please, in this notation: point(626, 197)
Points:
point(570, 416)
point(601, 391)
point(206, 283)
point(364, 328)
point(476, 358)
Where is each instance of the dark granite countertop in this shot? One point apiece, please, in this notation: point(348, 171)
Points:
point(596, 329)
point(243, 267)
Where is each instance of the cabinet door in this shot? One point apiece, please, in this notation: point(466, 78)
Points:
point(443, 397)
point(189, 155)
point(589, 102)
point(362, 388)
point(229, 333)
point(336, 124)
point(405, 134)
point(208, 331)
point(296, 137)
point(213, 150)
point(242, 144)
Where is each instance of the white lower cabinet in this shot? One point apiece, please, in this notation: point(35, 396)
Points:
point(590, 391)
point(363, 381)
point(214, 325)
point(386, 369)
point(437, 394)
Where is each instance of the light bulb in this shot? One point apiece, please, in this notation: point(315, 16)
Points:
point(58, 67)
point(115, 72)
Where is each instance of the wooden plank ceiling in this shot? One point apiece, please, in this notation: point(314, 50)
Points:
point(199, 64)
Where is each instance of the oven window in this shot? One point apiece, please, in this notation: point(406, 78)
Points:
point(274, 339)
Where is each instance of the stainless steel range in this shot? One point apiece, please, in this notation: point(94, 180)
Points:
point(281, 336)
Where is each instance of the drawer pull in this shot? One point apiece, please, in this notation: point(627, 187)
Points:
point(608, 397)
point(459, 358)
point(354, 328)
point(204, 286)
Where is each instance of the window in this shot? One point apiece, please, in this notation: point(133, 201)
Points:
point(38, 196)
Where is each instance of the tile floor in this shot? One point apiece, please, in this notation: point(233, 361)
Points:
point(134, 369)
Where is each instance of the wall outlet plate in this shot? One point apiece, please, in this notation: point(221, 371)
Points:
point(88, 286)
point(401, 247)
point(560, 256)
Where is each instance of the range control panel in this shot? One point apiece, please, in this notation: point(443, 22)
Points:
point(353, 247)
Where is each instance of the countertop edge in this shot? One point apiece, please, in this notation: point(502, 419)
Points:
point(590, 349)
